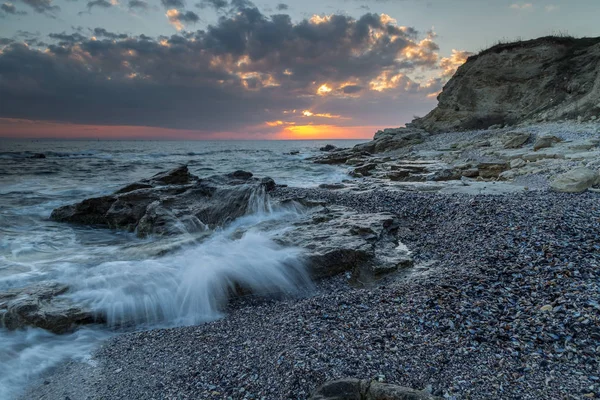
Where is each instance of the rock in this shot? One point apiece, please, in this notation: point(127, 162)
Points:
point(490, 170)
point(38, 155)
point(584, 146)
point(294, 152)
point(364, 170)
point(517, 163)
point(515, 140)
point(328, 147)
point(356, 389)
point(575, 181)
point(550, 78)
point(339, 157)
point(172, 202)
point(41, 306)
point(547, 307)
point(470, 173)
point(544, 142)
point(494, 127)
point(332, 186)
point(391, 139)
point(338, 239)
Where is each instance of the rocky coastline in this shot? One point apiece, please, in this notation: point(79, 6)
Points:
point(459, 260)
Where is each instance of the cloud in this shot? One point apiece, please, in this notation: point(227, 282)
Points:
point(178, 18)
point(168, 4)
point(449, 65)
point(551, 8)
point(42, 6)
point(9, 8)
point(282, 7)
point(139, 4)
point(216, 4)
point(522, 6)
point(99, 3)
point(246, 69)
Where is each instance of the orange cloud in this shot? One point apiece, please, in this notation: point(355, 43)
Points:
point(450, 64)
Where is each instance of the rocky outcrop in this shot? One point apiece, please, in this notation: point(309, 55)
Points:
point(575, 181)
point(356, 389)
point(546, 79)
point(172, 202)
point(337, 239)
point(42, 306)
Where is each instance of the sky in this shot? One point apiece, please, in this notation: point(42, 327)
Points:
point(237, 69)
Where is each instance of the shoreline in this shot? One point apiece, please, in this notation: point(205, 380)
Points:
point(506, 282)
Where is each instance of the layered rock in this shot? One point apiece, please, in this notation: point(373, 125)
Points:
point(172, 202)
point(546, 79)
point(42, 306)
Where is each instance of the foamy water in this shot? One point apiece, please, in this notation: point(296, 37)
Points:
point(138, 283)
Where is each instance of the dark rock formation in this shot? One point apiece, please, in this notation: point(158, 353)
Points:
point(328, 147)
point(550, 78)
point(356, 389)
point(42, 306)
point(172, 202)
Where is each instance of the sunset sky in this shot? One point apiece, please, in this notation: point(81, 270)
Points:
point(218, 69)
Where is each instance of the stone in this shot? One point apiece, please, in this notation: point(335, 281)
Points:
point(517, 163)
point(391, 139)
point(489, 170)
point(328, 147)
point(364, 170)
point(584, 146)
point(38, 155)
point(172, 202)
point(357, 389)
point(332, 186)
point(337, 239)
point(41, 306)
point(544, 142)
point(547, 307)
point(471, 173)
point(515, 140)
point(575, 181)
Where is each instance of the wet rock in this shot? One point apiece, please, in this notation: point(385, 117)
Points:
point(575, 181)
point(294, 152)
point(545, 142)
point(356, 389)
point(41, 306)
point(338, 157)
point(364, 170)
point(172, 202)
point(515, 140)
point(490, 170)
point(337, 239)
point(328, 147)
point(38, 155)
point(332, 186)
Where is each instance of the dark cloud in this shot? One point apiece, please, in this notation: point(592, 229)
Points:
point(101, 32)
point(173, 3)
point(42, 6)
point(5, 41)
point(216, 4)
point(179, 18)
point(246, 69)
point(282, 7)
point(9, 8)
point(99, 3)
point(139, 4)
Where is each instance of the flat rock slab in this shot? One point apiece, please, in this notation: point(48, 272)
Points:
point(575, 181)
point(41, 306)
point(357, 389)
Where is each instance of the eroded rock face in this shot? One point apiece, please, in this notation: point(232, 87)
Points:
point(41, 306)
point(337, 239)
point(172, 202)
point(575, 181)
point(357, 389)
point(548, 78)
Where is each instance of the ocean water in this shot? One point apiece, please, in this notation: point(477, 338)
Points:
point(137, 283)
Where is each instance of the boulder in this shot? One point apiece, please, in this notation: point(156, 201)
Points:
point(41, 306)
point(337, 239)
point(328, 147)
point(364, 170)
point(515, 140)
point(489, 170)
point(517, 163)
point(391, 139)
point(544, 142)
point(38, 155)
point(172, 202)
point(357, 389)
point(575, 181)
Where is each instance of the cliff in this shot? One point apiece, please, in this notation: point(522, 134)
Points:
point(545, 79)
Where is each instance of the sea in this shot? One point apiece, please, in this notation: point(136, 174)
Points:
point(151, 282)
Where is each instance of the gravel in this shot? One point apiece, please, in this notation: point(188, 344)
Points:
point(502, 303)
